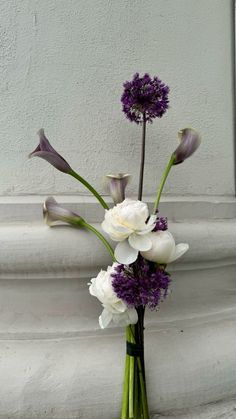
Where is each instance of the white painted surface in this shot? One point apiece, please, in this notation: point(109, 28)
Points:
point(29, 208)
point(62, 67)
point(62, 64)
point(55, 361)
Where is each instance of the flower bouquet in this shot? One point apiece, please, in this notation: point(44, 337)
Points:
point(137, 278)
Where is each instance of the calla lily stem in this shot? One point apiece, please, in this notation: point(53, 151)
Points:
point(163, 181)
point(100, 236)
point(89, 187)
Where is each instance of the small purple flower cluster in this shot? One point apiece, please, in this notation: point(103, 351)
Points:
point(140, 284)
point(161, 224)
point(144, 96)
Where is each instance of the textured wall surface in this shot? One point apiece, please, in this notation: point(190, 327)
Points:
point(62, 65)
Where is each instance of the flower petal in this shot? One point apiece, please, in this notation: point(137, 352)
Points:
point(124, 319)
point(140, 242)
point(53, 213)
point(189, 142)
point(149, 226)
point(179, 251)
point(116, 184)
point(105, 319)
point(116, 233)
point(152, 219)
point(125, 254)
point(48, 153)
point(163, 246)
point(133, 315)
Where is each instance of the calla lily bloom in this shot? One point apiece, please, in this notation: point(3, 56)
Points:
point(53, 214)
point(116, 185)
point(47, 152)
point(189, 142)
point(164, 250)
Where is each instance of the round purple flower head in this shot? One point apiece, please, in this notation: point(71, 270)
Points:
point(141, 283)
point(161, 224)
point(144, 96)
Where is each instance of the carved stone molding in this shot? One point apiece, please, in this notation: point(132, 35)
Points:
point(55, 361)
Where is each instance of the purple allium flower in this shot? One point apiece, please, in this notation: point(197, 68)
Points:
point(144, 96)
point(141, 283)
point(161, 224)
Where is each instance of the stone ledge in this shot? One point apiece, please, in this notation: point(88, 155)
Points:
point(35, 250)
point(56, 362)
point(29, 208)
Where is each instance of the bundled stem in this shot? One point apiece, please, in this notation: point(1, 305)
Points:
point(125, 399)
point(134, 404)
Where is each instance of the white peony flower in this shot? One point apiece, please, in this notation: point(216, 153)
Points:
point(163, 248)
point(126, 224)
point(114, 308)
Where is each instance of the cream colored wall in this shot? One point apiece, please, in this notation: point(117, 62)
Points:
point(62, 65)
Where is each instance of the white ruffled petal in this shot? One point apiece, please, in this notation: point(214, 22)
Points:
point(142, 243)
point(124, 319)
point(180, 249)
point(116, 307)
point(149, 226)
point(117, 234)
point(163, 247)
point(133, 315)
point(105, 319)
point(96, 289)
point(152, 219)
point(125, 254)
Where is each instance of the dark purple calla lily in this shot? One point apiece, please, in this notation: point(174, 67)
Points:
point(189, 142)
point(53, 214)
point(47, 152)
point(116, 185)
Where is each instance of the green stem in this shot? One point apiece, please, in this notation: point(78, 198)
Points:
point(143, 404)
point(101, 237)
point(131, 380)
point(143, 391)
point(125, 397)
point(136, 392)
point(162, 183)
point(89, 187)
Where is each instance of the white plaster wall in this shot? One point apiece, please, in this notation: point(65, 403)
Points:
point(62, 65)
